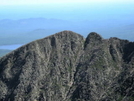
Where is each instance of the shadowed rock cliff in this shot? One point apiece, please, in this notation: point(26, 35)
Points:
point(67, 67)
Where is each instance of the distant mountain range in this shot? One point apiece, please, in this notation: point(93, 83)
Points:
point(68, 67)
point(25, 30)
point(4, 52)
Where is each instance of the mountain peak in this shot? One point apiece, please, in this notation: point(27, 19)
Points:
point(94, 36)
point(58, 68)
point(67, 32)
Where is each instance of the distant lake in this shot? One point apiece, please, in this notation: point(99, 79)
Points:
point(10, 47)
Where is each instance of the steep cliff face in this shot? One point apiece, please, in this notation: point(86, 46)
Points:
point(67, 67)
point(105, 71)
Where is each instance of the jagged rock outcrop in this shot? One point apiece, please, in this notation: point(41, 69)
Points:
point(67, 67)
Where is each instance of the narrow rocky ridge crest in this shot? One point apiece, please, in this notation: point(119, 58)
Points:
point(67, 67)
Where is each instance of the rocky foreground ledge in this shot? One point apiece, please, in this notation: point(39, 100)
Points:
point(68, 67)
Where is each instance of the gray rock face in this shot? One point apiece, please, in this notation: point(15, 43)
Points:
point(67, 67)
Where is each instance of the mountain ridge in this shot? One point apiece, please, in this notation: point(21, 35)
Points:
point(67, 67)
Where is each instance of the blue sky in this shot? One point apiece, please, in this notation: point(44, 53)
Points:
point(66, 9)
point(38, 2)
point(107, 17)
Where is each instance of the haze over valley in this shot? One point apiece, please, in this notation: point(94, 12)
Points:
point(22, 23)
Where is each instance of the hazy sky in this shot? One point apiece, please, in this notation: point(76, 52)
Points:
point(66, 9)
point(94, 12)
point(31, 2)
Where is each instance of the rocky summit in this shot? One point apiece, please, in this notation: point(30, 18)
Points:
point(68, 67)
